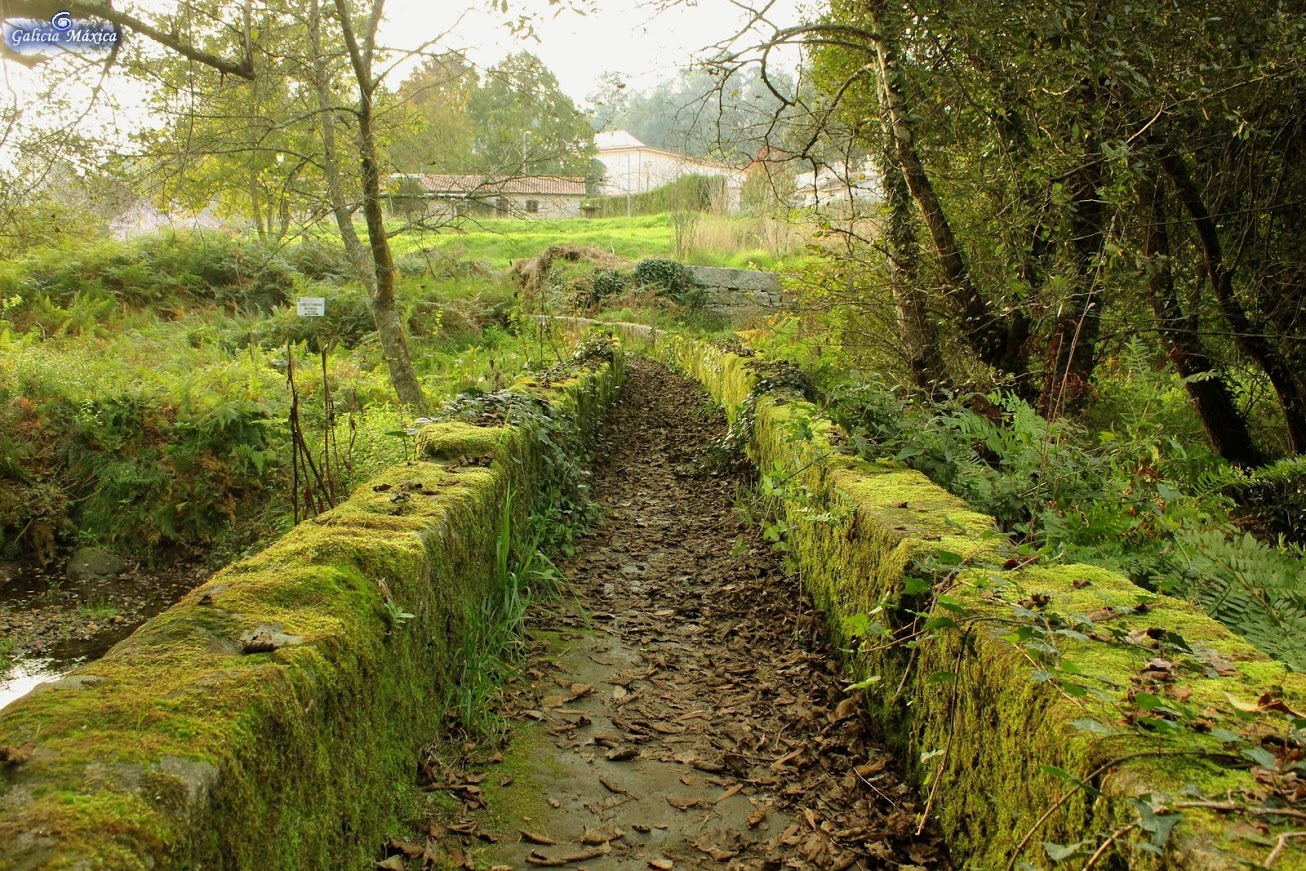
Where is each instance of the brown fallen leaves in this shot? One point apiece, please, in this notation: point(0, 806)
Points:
point(15, 756)
point(532, 838)
point(571, 858)
point(259, 642)
point(733, 683)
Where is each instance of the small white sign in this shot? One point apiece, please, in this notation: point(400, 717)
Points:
point(311, 306)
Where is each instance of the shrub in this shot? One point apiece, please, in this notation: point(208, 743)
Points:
point(671, 279)
point(1273, 499)
point(610, 282)
point(1136, 500)
point(441, 265)
point(167, 272)
point(347, 321)
point(690, 193)
point(321, 260)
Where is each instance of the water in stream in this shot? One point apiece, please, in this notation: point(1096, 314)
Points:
point(52, 624)
point(26, 674)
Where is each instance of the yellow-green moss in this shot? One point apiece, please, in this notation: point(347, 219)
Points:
point(178, 750)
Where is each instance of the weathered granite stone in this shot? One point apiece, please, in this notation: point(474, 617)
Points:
point(736, 291)
point(89, 563)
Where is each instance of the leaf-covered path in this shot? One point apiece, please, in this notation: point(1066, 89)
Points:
point(687, 710)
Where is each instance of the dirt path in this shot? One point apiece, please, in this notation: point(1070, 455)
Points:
point(687, 711)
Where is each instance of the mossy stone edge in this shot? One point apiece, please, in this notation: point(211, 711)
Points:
point(178, 750)
point(989, 732)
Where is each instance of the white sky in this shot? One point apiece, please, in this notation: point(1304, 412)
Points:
point(624, 36)
point(629, 37)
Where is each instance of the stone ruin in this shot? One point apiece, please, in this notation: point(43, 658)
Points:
point(737, 293)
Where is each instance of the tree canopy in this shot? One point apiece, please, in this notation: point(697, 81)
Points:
point(511, 120)
point(1078, 174)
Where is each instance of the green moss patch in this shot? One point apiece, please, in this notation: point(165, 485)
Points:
point(188, 746)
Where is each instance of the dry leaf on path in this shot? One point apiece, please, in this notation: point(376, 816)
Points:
point(596, 837)
point(533, 838)
point(406, 848)
point(538, 858)
point(847, 708)
point(866, 769)
point(667, 728)
point(734, 790)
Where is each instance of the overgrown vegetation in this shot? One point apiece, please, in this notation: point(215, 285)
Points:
point(714, 240)
point(1133, 487)
point(495, 644)
point(561, 509)
point(143, 402)
point(690, 193)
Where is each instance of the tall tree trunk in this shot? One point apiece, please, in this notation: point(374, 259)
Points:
point(389, 325)
point(1072, 345)
point(256, 207)
point(283, 217)
point(335, 186)
point(1225, 424)
point(1033, 267)
point(1250, 340)
point(982, 330)
point(919, 333)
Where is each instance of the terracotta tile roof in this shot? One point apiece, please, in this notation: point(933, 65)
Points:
point(481, 186)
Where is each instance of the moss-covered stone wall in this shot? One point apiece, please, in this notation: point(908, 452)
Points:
point(996, 735)
point(187, 747)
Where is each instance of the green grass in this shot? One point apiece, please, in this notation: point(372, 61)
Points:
point(708, 241)
point(501, 241)
point(143, 394)
point(97, 609)
point(161, 426)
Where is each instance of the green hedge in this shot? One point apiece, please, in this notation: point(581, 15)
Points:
point(690, 193)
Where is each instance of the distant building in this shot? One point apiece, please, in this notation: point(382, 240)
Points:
point(447, 196)
point(848, 187)
point(143, 218)
point(631, 167)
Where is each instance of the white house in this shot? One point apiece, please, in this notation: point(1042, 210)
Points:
point(631, 167)
point(849, 187)
point(523, 197)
